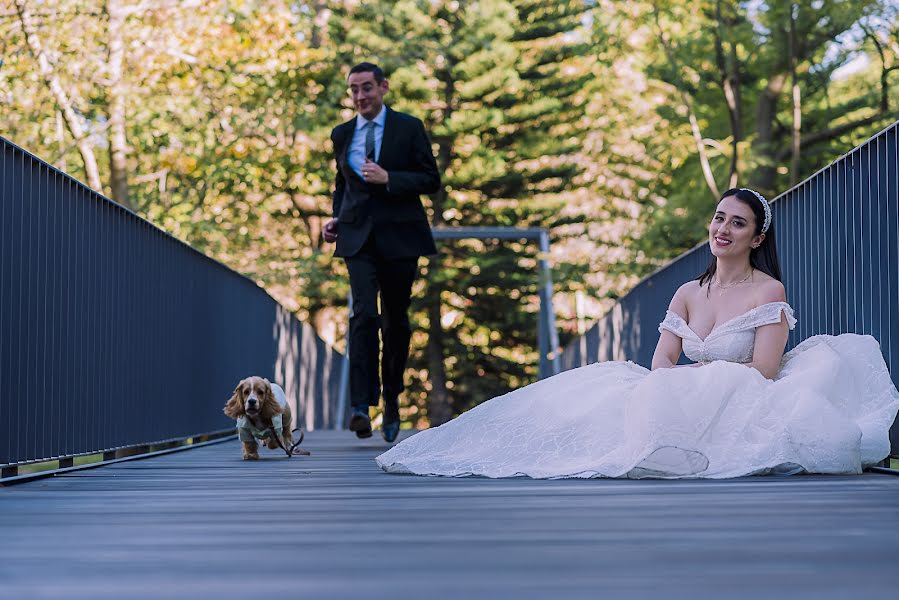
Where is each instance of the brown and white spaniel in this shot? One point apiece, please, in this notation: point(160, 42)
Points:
point(258, 406)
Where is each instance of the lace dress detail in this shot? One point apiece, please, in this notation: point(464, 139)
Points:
point(732, 340)
point(829, 410)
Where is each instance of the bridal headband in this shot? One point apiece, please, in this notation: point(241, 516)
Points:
point(767, 208)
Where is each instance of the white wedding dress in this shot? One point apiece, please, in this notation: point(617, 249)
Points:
point(828, 411)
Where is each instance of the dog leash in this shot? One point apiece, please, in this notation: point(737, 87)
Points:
point(290, 452)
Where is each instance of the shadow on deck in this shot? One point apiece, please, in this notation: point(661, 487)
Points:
point(202, 523)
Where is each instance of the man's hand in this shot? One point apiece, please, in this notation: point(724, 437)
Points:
point(329, 231)
point(373, 173)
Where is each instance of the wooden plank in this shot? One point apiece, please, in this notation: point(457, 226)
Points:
point(204, 523)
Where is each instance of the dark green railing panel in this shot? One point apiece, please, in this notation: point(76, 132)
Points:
point(115, 334)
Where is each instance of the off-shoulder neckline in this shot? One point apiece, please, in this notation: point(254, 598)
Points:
point(731, 320)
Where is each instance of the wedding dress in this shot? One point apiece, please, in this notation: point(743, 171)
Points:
point(828, 411)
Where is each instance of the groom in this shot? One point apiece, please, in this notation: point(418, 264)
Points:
point(384, 162)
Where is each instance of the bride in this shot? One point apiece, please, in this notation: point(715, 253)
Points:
point(741, 408)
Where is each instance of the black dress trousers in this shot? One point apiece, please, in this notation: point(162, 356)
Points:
point(371, 275)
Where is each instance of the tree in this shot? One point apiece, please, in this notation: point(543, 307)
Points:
point(500, 87)
point(63, 98)
point(754, 85)
point(610, 123)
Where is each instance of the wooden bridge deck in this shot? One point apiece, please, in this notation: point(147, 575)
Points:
point(204, 524)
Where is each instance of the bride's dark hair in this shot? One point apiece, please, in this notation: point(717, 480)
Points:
point(764, 258)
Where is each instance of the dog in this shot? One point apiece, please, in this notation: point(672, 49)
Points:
point(260, 406)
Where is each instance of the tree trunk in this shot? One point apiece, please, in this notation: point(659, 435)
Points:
point(884, 69)
point(118, 141)
point(61, 141)
point(730, 86)
point(82, 140)
point(797, 103)
point(700, 149)
point(440, 405)
point(688, 105)
point(763, 146)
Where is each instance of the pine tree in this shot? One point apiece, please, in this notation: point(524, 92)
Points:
point(502, 87)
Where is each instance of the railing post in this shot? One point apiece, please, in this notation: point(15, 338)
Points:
point(344, 390)
point(548, 338)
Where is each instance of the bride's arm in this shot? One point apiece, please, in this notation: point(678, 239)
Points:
point(669, 347)
point(667, 351)
point(770, 340)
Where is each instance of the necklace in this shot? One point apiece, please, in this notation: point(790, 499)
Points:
point(722, 286)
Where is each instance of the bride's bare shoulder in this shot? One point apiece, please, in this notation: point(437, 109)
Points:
point(684, 297)
point(688, 290)
point(767, 289)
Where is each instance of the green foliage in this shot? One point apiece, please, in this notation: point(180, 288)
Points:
point(748, 44)
point(573, 115)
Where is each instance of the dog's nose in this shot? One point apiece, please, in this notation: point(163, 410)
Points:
point(252, 401)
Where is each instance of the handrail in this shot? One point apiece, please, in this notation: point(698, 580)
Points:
point(114, 334)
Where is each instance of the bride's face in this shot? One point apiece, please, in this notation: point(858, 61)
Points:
point(732, 230)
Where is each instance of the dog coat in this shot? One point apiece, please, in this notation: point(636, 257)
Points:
point(249, 432)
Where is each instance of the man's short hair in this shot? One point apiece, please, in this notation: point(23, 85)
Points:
point(367, 67)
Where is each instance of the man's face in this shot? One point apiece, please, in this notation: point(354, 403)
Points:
point(367, 94)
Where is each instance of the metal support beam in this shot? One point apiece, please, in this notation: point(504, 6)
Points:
point(488, 233)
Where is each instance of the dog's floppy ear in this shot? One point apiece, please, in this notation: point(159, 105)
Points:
point(270, 406)
point(234, 406)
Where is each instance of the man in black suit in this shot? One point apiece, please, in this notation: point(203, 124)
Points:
point(384, 162)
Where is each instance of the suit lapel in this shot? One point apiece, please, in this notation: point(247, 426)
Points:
point(348, 171)
point(388, 145)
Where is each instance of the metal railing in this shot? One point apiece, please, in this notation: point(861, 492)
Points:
point(114, 334)
point(838, 242)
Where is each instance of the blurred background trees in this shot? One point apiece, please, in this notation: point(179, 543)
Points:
point(613, 124)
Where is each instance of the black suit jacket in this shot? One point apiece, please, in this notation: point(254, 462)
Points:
point(394, 216)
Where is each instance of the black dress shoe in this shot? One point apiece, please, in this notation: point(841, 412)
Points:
point(360, 422)
point(389, 430)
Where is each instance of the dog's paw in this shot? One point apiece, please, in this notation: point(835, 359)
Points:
point(251, 456)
